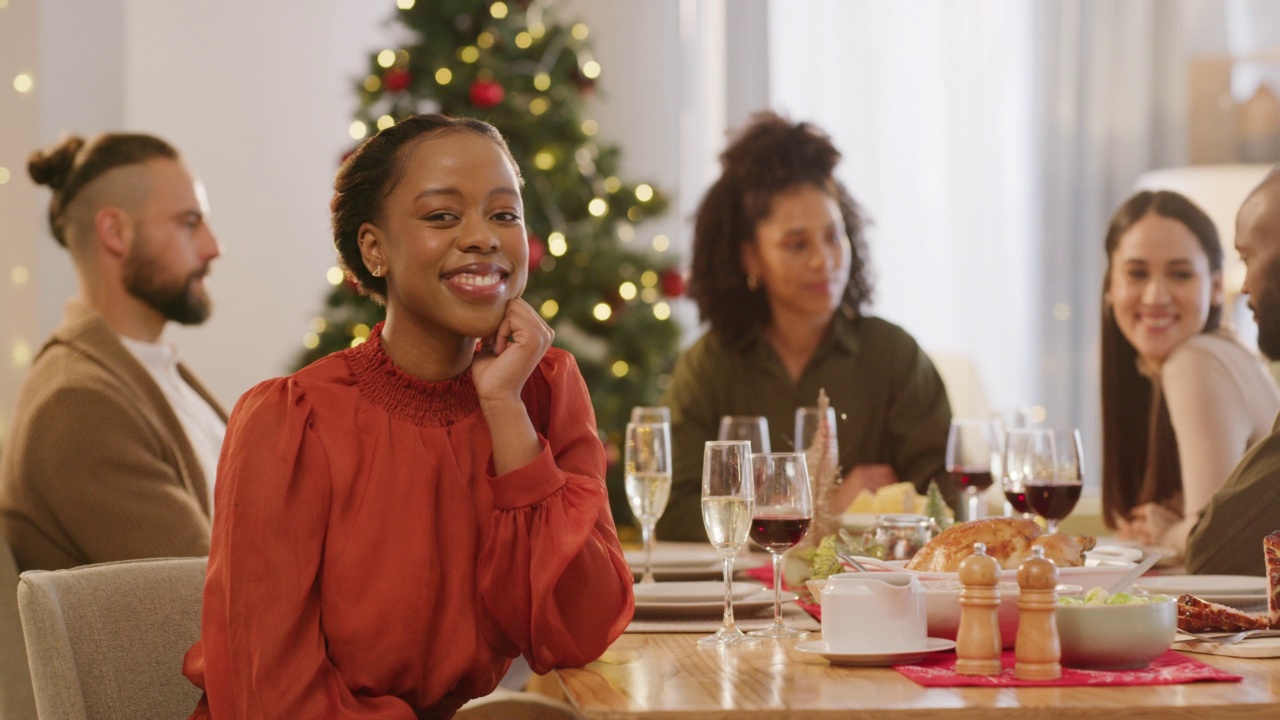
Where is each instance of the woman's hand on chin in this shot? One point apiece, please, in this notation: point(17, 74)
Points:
point(504, 360)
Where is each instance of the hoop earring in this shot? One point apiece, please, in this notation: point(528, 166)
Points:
point(753, 283)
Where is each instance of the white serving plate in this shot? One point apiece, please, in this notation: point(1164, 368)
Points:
point(692, 591)
point(865, 659)
point(1232, 588)
point(749, 605)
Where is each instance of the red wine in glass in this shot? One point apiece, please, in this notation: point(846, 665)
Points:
point(978, 479)
point(1018, 500)
point(1053, 501)
point(777, 534)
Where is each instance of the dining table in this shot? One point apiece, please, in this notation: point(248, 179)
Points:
point(669, 676)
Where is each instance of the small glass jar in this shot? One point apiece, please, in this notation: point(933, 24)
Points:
point(900, 536)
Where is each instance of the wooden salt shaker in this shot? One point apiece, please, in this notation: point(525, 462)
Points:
point(978, 639)
point(1037, 649)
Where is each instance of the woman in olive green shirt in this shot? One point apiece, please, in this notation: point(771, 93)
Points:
point(780, 276)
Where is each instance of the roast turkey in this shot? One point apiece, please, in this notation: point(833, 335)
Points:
point(1008, 540)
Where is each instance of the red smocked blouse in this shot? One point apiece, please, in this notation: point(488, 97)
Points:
point(366, 562)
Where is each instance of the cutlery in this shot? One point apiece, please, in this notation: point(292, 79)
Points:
point(1229, 639)
point(1128, 579)
point(852, 561)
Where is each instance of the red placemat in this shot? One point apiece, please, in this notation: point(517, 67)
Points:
point(1171, 668)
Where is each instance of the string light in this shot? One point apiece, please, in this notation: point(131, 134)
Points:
point(360, 330)
point(537, 30)
point(386, 58)
point(372, 83)
point(357, 342)
point(319, 324)
point(591, 69)
point(612, 184)
point(661, 243)
point(385, 122)
point(21, 354)
point(602, 311)
point(19, 274)
point(649, 295)
point(590, 127)
point(549, 309)
point(644, 192)
point(23, 83)
point(661, 310)
point(620, 368)
point(544, 160)
point(334, 275)
point(523, 40)
point(469, 54)
point(485, 40)
point(444, 76)
point(539, 105)
point(627, 290)
point(556, 244)
point(310, 341)
point(405, 4)
point(579, 31)
point(626, 232)
point(649, 278)
point(597, 207)
point(358, 130)
point(4, 175)
point(541, 81)
point(498, 10)
point(633, 214)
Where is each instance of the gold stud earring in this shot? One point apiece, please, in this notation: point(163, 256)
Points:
point(753, 283)
point(377, 271)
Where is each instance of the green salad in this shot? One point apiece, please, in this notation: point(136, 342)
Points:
point(1098, 596)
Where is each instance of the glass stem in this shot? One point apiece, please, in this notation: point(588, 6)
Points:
point(974, 504)
point(728, 625)
point(777, 589)
point(1051, 526)
point(646, 533)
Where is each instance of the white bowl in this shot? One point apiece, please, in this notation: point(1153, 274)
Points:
point(1115, 637)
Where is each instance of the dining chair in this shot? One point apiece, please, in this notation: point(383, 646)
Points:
point(16, 699)
point(106, 641)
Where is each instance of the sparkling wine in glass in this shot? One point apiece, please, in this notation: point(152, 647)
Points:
point(727, 504)
point(1054, 481)
point(752, 428)
point(647, 478)
point(971, 445)
point(650, 414)
point(783, 511)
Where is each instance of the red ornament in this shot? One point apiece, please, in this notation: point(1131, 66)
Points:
point(537, 251)
point(673, 283)
point(396, 80)
point(486, 93)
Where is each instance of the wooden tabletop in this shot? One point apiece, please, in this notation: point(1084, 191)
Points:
point(672, 677)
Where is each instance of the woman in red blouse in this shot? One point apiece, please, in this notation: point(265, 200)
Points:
point(397, 521)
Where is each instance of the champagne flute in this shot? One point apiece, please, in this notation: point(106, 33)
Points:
point(752, 428)
point(970, 448)
point(1054, 480)
point(783, 511)
point(1017, 443)
point(650, 414)
point(647, 462)
point(727, 493)
point(812, 426)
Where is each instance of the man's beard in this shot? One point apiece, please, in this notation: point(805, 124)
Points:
point(1266, 311)
point(181, 303)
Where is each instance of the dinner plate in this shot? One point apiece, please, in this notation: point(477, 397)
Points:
point(835, 657)
point(692, 591)
point(749, 605)
point(1205, 587)
point(675, 556)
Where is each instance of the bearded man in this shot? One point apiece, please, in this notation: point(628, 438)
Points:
point(114, 444)
point(1228, 539)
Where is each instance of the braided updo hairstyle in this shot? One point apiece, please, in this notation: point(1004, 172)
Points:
point(772, 155)
point(70, 165)
point(370, 174)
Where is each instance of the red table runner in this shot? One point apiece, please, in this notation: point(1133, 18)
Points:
point(1170, 668)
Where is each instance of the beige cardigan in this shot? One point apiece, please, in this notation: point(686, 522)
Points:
point(97, 466)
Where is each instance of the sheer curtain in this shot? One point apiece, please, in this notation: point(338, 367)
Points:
point(990, 141)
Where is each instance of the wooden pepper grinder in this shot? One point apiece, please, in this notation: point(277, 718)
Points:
point(978, 639)
point(1037, 649)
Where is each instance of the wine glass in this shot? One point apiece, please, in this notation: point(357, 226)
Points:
point(1053, 480)
point(647, 462)
point(783, 511)
point(752, 428)
point(971, 444)
point(727, 493)
point(1017, 441)
point(650, 414)
point(810, 421)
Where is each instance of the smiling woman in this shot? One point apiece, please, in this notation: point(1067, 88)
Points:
point(435, 494)
point(1182, 399)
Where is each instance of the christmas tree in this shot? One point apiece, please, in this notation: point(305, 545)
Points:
point(602, 288)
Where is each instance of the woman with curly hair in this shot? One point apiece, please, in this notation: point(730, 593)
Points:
point(780, 275)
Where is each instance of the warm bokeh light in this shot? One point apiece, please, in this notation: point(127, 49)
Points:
point(627, 290)
point(597, 207)
point(334, 275)
point(1037, 414)
point(590, 127)
point(386, 58)
point(358, 130)
point(633, 214)
point(372, 83)
point(591, 69)
point(661, 310)
point(539, 105)
point(612, 184)
point(444, 76)
point(360, 330)
point(644, 192)
point(498, 10)
point(405, 4)
point(602, 312)
point(649, 278)
point(21, 354)
point(357, 342)
point(544, 160)
point(469, 54)
point(556, 244)
point(549, 309)
point(541, 81)
point(649, 295)
point(19, 274)
point(537, 30)
point(385, 122)
point(620, 368)
point(523, 40)
point(661, 243)
point(319, 324)
point(580, 31)
point(23, 83)
point(485, 39)
point(311, 341)
point(4, 175)
point(626, 232)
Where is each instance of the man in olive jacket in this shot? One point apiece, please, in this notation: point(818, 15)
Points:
point(113, 444)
